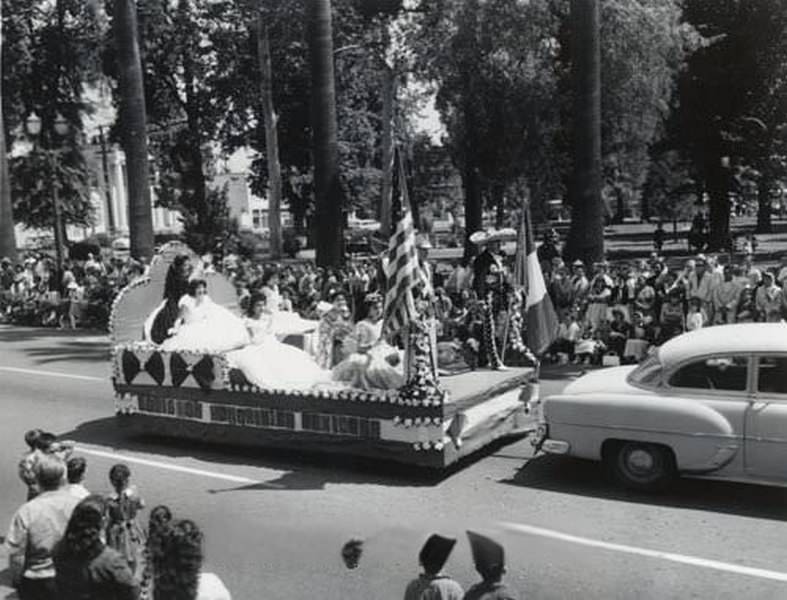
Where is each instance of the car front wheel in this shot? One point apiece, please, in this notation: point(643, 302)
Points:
point(642, 466)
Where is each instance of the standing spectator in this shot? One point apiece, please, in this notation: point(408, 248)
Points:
point(700, 285)
point(36, 528)
point(75, 468)
point(598, 301)
point(40, 443)
point(489, 560)
point(433, 584)
point(672, 321)
point(781, 276)
point(746, 309)
point(561, 290)
point(124, 532)
point(579, 282)
point(87, 569)
point(725, 298)
point(769, 299)
point(659, 235)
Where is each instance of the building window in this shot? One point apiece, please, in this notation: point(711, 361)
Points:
point(256, 218)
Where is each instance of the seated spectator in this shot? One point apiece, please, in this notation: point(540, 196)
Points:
point(696, 318)
point(618, 332)
point(36, 528)
point(86, 568)
point(746, 309)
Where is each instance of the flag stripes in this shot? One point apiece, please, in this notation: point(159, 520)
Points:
point(403, 273)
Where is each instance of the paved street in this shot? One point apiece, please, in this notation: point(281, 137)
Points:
point(274, 524)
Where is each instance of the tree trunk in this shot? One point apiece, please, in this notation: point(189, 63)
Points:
point(586, 234)
point(271, 135)
point(474, 216)
point(135, 144)
point(7, 234)
point(717, 181)
point(499, 201)
point(764, 204)
point(387, 143)
point(328, 233)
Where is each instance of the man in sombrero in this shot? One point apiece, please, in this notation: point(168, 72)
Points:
point(488, 283)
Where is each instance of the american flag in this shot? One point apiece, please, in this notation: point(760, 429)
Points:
point(403, 273)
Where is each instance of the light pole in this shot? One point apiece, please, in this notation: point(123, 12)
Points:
point(61, 128)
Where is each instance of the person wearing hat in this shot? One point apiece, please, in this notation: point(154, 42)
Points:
point(488, 285)
point(489, 560)
point(579, 281)
point(433, 584)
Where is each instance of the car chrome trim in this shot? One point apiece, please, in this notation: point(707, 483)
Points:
point(555, 446)
point(659, 431)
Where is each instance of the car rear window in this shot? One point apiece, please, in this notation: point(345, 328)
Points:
point(772, 375)
point(713, 373)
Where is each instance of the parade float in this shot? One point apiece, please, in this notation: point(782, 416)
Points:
point(198, 395)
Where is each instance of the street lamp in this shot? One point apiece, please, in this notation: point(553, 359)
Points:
point(61, 128)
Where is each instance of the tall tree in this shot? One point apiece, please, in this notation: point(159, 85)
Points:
point(328, 230)
point(586, 235)
point(134, 121)
point(7, 234)
point(271, 134)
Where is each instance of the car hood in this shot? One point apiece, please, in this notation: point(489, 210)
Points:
point(609, 380)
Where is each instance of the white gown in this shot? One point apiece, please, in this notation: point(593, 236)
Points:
point(269, 363)
point(285, 322)
point(206, 327)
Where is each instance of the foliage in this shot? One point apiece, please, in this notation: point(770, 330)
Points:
point(32, 179)
point(212, 230)
point(50, 51)
point(669, 190)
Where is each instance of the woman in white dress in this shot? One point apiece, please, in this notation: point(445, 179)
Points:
point(269, 363)
point(373, 364)
point(203, 325)
point(284, 322)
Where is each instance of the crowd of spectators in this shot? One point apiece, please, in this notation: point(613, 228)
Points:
point(31, 293)
point(615, 312)
point(609, 313)
point(66, 543)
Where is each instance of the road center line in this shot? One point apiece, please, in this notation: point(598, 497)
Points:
point(669, 556)
point(117, 457)
point(53, 374)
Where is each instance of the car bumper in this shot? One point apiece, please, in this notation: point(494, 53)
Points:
point(542, 442)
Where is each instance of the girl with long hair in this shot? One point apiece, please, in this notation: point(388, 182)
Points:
point(124, 532)
point(86, 568)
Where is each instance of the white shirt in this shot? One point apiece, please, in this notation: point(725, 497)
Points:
point(212, 588)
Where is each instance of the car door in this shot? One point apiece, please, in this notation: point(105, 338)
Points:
point(721, 382)
point(766, 420)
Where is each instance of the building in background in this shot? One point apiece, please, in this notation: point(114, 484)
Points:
point(252, 212)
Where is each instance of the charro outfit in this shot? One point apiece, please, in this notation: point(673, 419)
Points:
point(487, 282)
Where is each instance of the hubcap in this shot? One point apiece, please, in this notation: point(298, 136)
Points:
point(640, 462)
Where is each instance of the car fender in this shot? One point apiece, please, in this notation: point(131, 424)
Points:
point(701, 438)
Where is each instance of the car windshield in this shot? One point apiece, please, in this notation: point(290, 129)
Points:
point(648, 373)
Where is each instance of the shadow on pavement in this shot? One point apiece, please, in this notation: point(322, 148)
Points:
point(303, 470)
point(68, 345)
point(589, 478)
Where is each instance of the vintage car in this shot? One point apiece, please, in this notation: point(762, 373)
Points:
point(710, 403)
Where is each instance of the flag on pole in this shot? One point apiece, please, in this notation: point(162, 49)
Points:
point(403, 273)
point(542, 321)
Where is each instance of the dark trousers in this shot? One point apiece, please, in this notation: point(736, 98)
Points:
point(38, 589)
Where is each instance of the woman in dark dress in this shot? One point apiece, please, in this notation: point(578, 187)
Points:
point(86, 568)
point(175, 286)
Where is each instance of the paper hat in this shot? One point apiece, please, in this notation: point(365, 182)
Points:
point(435, 552)
point(488, 555)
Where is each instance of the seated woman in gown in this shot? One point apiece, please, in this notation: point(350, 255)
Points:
point(283, 322)
point(269, 363)
point(202, 325)
point(334, 327)
point(176, 285)
point(373, 364)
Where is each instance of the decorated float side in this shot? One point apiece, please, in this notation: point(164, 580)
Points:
point(198, 394)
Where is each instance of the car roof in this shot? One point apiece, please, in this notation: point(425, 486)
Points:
point(743, 338)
